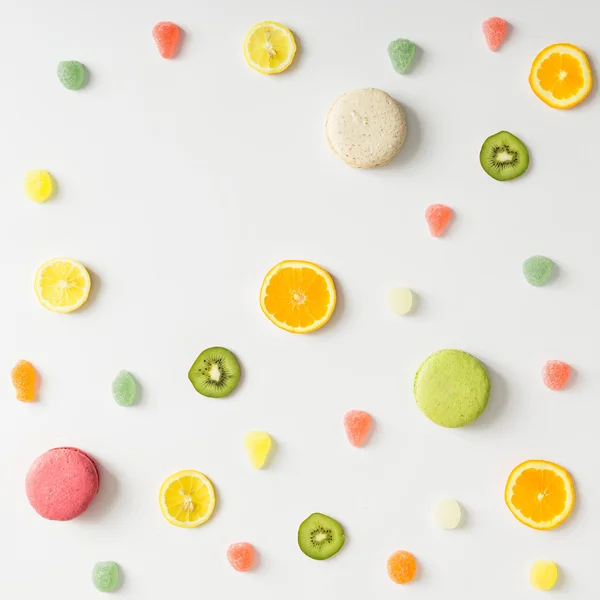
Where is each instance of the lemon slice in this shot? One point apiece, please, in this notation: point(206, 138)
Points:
point(187, 499)
point(269, 47)
point(62, 285)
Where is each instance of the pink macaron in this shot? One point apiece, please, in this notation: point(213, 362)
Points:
point(62, 483)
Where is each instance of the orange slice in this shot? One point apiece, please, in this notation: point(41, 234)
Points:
point(540, 494)
point(561, 76)
point(298, 296)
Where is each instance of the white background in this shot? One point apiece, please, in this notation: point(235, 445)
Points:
point(181, 183)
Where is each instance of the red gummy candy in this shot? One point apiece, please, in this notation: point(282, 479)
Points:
point(166, 36)
point(438, 216)
point(494, 30)
point(555, 374)
point(357, 424)
point(241, 556)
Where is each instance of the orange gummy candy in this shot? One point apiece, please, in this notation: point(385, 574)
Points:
point(24, 379)
point(555, 374)
point(357, 424)
point(401, 567)
point(166, 36)
point(438, 216)
point(241, 556)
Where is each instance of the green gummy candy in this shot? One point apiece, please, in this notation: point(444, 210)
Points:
point(105, 576)
point(71, 74)
point(401, 53)
point(124, 389)
point(537, 270)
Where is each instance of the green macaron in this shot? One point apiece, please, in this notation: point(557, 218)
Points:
point(452, 388)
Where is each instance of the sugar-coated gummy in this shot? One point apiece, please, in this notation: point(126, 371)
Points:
point(543, 575)
point(71, 74)
point(357, 424)
point(494, 30)
point(124, 389)
point(258, 446)
point(438, 217)
point(105, 576)
point(400, 300)
point(447, 514)
point(401, 567)
point(24, 379)
point(537, 270)
point(166, 36)
point(241, 556)
point(555, 374)
point(38, 185)
point(401, 53)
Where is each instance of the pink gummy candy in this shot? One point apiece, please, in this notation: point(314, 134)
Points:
point(166, 36)
point(357, 424)
point(241, 556)
point(555, 374)
point(494, 30)
point(438, 216)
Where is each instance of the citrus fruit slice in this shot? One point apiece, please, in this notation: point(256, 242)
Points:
point(62, 285)
point(298, 296)
point(269, 47)
point(540, 494)
point(187, 499)
point(561, 76)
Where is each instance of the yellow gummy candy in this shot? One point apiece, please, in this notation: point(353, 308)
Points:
point(543, 574)
point(258, 445)
point(38, 185)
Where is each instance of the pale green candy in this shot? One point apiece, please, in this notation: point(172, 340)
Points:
point(71, 74)
point(401, 53)
point(537, 270)
point(124, 389)
point(452, 388)
point(105, 576)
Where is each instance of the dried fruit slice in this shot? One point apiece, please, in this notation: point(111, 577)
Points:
point(561, 76)
point(540, 494)
point(187, 499)
point(298, 296)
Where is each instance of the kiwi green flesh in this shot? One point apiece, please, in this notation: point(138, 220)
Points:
point(215, 373)
point(504, 156)
point(320, 536)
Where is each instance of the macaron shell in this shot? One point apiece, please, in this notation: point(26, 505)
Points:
point(62, 483)
point(452, 388)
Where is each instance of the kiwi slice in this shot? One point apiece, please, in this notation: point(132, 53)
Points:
point(504, 156)
point(215, 372)
point(320, 536)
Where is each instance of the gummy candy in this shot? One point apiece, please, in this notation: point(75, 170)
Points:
point(537, 270)
point(555, 374)
point(24, 379)
point(71, 74)
point(105, 576)
point(438, 216)
point(258, 445)
point(241, 556)
point(447, 514)
point(38, 185)
point(400, 300)
point(401, 567)
point(124, 389)
point(166, 36)
point(401, 53)
point(494, 30)
point(357, 424)
point(543, 575)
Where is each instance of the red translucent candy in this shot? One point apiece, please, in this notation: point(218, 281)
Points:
point(555, 374)
point(357, 424)
point(166, 36)
point(438, 216)
point(494, 30)
point(241, 556)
